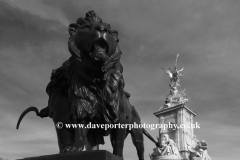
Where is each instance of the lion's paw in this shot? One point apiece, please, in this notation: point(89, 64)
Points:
point(71, 149)
point(66, 149)
point(76, 149)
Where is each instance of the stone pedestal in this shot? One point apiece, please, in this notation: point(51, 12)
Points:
point(85, 155)
point(172, 157)
point(183, 136)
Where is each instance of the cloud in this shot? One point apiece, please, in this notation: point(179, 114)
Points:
point(39, 9)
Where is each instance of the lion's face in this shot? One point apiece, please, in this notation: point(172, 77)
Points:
point(94, 40)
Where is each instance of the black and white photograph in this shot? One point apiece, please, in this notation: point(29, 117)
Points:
point(119, 79)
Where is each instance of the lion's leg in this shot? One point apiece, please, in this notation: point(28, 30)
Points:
point(65, 136)
point(88, 146)
point(80, 138)
point(112, 137)
point(65, 139)
point(61, 114)
point(137, 135)
point(137, 138)
point(118, 137)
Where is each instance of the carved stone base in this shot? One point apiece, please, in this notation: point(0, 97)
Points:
point(85, 155)
point(198, 158)
point(185, 154)
point(172, 157)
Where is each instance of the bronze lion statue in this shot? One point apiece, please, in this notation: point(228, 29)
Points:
point(89, 88)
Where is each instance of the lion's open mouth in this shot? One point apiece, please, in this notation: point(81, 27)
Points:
point(100, 46)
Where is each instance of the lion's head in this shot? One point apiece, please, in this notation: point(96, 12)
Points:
point(92, 39)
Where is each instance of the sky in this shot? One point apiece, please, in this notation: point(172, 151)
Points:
point(206, 34)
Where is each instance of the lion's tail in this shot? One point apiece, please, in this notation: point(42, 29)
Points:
point(150, 137)
point(43, 113)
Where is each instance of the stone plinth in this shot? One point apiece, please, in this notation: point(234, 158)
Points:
point(172, 157)
point(85, 155)
point(183, 137)
point(199, 158)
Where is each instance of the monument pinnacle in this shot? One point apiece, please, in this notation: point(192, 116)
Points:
point(175, 97)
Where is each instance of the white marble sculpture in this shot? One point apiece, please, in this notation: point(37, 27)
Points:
point(199, 152)
point(167, 150)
